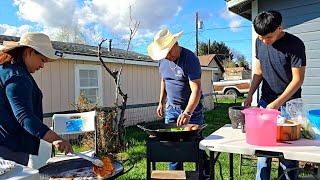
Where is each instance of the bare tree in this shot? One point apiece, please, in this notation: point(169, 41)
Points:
point(116, 141)
point(70, 33)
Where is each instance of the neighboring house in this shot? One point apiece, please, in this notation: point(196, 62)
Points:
point(62, 81)
point(236, 73)
point(211, 61)
point(301, 18)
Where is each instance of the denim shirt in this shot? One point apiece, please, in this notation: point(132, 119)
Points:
point(21, 114)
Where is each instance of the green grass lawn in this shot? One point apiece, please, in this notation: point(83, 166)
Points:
point(215, 119)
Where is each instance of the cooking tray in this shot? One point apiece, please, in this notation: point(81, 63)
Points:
point(162, 130)
point(58, 169)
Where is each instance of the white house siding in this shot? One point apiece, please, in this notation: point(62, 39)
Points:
point(140, 82)
point(302, 18)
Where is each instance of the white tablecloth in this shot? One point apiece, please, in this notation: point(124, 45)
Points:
point(231, 140)
point(21, 173)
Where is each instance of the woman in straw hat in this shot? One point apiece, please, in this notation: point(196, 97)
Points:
point(21, 120)
point(180, 91)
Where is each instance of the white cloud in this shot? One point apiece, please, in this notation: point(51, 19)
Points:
point(115, 16)
point(234, 20)
point(84, 14)
point(234, 25)
point(49, 13)
point(14, 31)
point(94, 16)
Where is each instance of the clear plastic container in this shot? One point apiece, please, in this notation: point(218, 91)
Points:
point(261, 126)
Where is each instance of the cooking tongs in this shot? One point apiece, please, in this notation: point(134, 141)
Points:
point(94, 161)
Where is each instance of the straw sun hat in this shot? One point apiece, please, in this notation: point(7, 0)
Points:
point(38, 41)
point(162, 44)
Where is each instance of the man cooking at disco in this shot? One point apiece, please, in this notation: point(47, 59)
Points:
point(180, 91)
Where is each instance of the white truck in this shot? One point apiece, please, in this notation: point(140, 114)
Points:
point(232, 87)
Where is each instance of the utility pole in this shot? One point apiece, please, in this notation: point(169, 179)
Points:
point(197, 51)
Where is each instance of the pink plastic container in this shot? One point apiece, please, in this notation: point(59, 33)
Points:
point(261, 126)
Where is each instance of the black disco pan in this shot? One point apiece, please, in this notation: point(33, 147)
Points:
point(163, 130)
point(79, 166)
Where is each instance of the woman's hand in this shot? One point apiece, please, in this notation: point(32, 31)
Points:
point(63, 146)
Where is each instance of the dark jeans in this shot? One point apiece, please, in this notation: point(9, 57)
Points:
point(264, 169)
point(172, 113)
point(18, 157)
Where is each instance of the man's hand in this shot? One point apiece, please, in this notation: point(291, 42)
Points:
point(248, 101)
point(63, 146)
point(183, 119)
point(160, 110)
point(273, 105)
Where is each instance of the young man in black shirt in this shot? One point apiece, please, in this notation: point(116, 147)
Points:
point(280, 66)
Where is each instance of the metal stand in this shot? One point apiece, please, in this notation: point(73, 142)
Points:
point(186, 150)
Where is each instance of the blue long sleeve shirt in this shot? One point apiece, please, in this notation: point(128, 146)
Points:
point(21, 114)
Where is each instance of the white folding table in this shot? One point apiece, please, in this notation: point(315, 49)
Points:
point(229, 140)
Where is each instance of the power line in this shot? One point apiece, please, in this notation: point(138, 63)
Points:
point(217, 28)
point(230, 41)
point(237, 40)
point(225, 28)
point(190, 32)
point(188, 40)
point(203, 37)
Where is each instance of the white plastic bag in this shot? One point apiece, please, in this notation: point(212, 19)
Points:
point(295, 110)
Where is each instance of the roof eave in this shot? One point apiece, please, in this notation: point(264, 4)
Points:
point(240, 7)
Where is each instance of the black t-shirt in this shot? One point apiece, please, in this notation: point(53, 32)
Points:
point(277, 61)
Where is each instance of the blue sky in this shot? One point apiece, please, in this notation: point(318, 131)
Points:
point(109, 19)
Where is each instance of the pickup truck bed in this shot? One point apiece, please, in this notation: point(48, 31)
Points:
point(234, 87)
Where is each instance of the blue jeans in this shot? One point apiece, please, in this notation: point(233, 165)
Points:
point(171, 116)
point(264, 163)
point(264, 168)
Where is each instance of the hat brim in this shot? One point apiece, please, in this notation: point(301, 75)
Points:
point(50, 53)
point(156, 53)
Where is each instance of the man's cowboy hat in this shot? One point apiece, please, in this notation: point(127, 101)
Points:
point(163, 42)
point(37, 41)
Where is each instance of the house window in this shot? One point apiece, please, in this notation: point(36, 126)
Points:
point(88, 78)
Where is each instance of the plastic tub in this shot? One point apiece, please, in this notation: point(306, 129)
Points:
point(261, 126)
point(314, 117)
